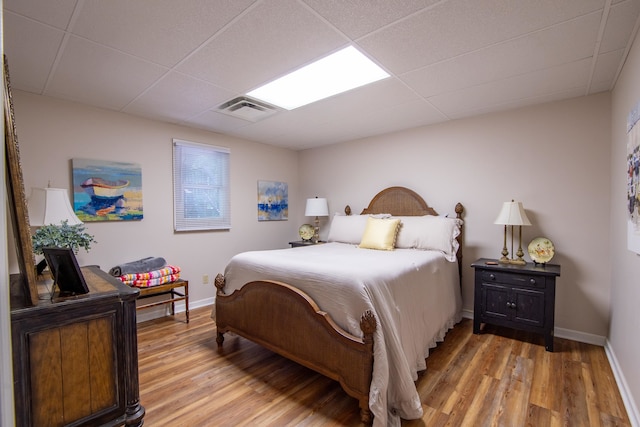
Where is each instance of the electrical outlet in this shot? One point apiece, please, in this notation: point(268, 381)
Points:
point(205, 279)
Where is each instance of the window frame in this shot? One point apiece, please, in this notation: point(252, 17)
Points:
point(191, 154)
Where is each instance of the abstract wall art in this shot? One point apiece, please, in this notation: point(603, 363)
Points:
point(633, 180)
point(273, 201)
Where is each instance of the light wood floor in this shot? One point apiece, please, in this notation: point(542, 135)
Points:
point(502, 378)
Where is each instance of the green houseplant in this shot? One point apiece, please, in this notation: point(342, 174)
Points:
point(62, 235)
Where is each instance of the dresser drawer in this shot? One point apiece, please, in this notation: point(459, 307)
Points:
point(510, 278)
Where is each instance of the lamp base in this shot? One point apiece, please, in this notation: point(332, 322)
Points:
point(504, 260)
point(517, 261)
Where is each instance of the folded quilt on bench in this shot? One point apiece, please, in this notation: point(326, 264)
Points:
point(168, 274)
point(140, 266)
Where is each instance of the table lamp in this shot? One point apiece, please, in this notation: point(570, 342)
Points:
point(513, 214)
point(316, 207)
point(50, 206)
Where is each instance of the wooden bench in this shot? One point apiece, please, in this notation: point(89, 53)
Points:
point(167, 289)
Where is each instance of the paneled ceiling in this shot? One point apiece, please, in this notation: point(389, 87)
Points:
point(177, 61)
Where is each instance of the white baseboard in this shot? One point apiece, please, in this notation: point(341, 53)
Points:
point(625, 393)
point(584, 337)
point(569, 334)
point(162, 310)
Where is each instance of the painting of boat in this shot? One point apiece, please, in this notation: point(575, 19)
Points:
point(99, 187)
point(106, 190)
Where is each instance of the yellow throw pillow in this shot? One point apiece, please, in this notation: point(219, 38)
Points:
point(380, 233)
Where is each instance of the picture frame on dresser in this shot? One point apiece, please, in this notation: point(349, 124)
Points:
point(65, 272)
point(18, 210)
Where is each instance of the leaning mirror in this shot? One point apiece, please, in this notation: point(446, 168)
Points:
point(16, 198)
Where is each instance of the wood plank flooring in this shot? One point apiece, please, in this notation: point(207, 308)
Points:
point(498, 378)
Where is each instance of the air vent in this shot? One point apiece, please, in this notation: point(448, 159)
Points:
point(247, 108)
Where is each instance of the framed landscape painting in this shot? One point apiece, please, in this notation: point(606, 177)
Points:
point(106, 190)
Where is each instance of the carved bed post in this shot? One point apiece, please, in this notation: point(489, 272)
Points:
point(219, 282)
point(459, 211)
point(368, 325)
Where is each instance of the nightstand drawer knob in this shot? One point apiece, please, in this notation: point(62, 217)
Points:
point(532, 281)
point(511, 305)
point(492, 276)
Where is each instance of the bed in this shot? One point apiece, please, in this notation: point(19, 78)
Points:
point(368, 322)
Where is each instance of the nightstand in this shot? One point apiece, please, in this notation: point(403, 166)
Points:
point(298, 243)
point(517, 296)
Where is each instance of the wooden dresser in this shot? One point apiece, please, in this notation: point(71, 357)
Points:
point(75, 359)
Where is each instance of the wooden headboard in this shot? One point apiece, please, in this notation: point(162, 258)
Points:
point(400, 201)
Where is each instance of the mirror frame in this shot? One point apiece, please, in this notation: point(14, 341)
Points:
point(16, 198)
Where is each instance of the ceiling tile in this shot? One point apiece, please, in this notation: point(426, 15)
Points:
point(177, 97)
point(519, 103)
point(620, 23)
point(356, 19)
point(270, 40)
point(217, 122)
point(168, 34)
point(456, 27)
point(606, 68)
point(56, 13)
point(529, 85)
point(33, 59)
point(100, 76)
point(395, 118)
point(547, 48)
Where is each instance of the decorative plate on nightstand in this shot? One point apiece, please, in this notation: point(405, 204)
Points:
point(306, 231)
point(541, 250)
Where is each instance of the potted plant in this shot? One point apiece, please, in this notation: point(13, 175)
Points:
point(62, 235)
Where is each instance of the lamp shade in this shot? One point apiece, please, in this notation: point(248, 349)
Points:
point(317, 207)
point(512, 213)
point(50, 206)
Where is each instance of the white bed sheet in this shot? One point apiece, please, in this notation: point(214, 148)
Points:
point(414, 295)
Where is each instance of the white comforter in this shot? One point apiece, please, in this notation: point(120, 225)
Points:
point(414, 295)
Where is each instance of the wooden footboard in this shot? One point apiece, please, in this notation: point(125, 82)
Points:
point(287, 321)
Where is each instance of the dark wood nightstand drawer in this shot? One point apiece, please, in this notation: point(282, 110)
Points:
point(514, 279)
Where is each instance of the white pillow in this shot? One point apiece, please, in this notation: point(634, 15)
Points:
point(430, 232)
point(349, 228)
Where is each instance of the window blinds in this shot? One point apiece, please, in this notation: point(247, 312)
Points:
point(201, 190)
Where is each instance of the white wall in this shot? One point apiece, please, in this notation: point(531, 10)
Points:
point(625, 272)
point(52, 132)
point(555, 158)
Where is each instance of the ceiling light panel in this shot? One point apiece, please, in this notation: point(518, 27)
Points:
point(339, 72)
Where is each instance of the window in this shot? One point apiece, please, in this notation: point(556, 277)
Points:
point(200, 187)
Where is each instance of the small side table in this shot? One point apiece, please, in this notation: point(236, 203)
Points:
point(167, 289)
point(517, 296)
point(299, 243)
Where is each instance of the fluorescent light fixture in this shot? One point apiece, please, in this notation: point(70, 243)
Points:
point(339, 72)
